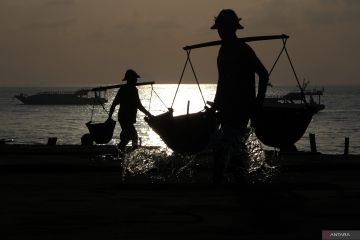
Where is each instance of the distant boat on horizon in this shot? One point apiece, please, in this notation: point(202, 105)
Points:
point(296, 100)
point(79, 97)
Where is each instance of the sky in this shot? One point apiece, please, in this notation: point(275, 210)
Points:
point(93, 42)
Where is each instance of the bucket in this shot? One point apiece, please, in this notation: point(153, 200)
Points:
point(101, 133)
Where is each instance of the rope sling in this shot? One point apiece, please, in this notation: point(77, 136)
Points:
point(281, 126)
point(284, 49)
point(97, 99)
point(192, 132)
point(188, 61)
point(101, 133)
point(189, 133)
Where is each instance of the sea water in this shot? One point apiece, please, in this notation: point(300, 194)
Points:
point(34, 124)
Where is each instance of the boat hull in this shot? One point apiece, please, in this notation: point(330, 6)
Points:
point(187, 134)
point(281, 127)
point(59, 99)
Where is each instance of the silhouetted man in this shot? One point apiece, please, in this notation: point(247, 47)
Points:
point(128, 98)
point(235, 98)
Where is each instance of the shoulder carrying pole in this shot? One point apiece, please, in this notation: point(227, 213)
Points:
point(118, 86)
point(245, 39)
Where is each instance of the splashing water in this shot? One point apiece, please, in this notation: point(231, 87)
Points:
point(153, 165)
point(158, 165)
point(261, 168)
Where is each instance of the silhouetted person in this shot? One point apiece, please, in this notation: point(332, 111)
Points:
point(128, 98)
point(235, 98)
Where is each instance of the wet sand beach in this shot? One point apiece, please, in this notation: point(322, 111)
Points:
point(65, 198)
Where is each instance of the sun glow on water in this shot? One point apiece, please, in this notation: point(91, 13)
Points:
point(30, 124)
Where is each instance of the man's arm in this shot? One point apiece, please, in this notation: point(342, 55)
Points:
point(263, 80)
point(114, 103)
point(141, 107)
point(218, 96)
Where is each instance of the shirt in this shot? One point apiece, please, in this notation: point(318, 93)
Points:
point(235, 95)
point(128, 98)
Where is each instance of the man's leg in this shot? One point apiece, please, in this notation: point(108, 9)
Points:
point(219, 165)
point(237, 155)
point(133, 136)
point(124, 136)
point(238, 164)
point(219, 157)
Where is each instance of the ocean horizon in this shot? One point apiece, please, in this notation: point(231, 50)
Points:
point(34, 124)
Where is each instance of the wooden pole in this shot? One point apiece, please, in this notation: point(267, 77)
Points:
point(312, 143)
point(245, 39)
point(188, 107)
point(118, 86)
point(346, 150)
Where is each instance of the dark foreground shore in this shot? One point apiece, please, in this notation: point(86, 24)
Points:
point(50, 200)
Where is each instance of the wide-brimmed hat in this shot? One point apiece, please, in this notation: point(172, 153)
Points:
point(130, 74)
point(228, 18)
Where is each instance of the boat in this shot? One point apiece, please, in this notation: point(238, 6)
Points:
point(296, 100)
point(281, 126)
point(79, 97)
point(280, 123)
point(283, 120)
point(186, 134)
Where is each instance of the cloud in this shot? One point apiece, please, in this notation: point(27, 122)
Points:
point(60, 3)
point(292, 14)
point(157, 25)
point(166, 25)
point(139, 30)
point(330, 12)
point(90, 39)
point(50, 25)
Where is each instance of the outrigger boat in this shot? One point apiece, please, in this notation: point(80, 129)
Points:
point(79, 97)
point(276, 125)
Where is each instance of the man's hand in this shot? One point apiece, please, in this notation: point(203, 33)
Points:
point(210, 109)
point(149, 116)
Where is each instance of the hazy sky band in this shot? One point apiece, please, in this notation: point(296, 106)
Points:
point(81, 42)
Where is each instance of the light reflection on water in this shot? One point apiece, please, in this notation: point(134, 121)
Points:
point(161, 165)
point(35, 124)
